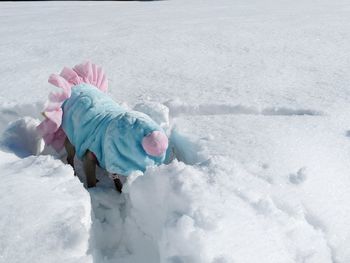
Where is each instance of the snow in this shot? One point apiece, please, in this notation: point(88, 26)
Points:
point(21, 137)
point(158, 111)
point(45, 216)
point(254, 97)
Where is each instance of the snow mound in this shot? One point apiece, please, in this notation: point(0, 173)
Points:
point(170, 216)
point(179, 213)
point(10, 112)
point(157, 111)
point(22, 138)
point(49, 220)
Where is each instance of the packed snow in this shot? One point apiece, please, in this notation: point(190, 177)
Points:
point(254, 96)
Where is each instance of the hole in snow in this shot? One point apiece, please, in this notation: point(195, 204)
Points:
point(185, 149)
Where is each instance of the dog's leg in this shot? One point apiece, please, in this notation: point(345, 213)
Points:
point(118, 184)
point(71, 153)
point(89, 163)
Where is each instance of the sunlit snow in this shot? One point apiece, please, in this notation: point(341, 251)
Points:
point(254, 96)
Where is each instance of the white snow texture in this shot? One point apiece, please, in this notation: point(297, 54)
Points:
point(254, 96)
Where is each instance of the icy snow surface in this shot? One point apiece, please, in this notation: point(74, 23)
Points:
point(255, 99)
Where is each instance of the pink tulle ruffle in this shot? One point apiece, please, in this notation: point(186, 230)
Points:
point(50, 128)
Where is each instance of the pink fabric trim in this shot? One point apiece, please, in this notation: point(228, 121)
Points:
point(89, 73)
point(155, 143)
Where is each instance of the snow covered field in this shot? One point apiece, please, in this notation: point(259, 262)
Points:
point(258, 99)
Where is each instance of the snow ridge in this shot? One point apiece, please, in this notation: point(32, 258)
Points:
point(178, 108)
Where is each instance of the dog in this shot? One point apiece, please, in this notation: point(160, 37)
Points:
point(90, 125)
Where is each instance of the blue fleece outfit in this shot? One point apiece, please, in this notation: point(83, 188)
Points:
point(93, 121)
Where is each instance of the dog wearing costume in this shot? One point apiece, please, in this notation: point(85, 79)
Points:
point(88, 123)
